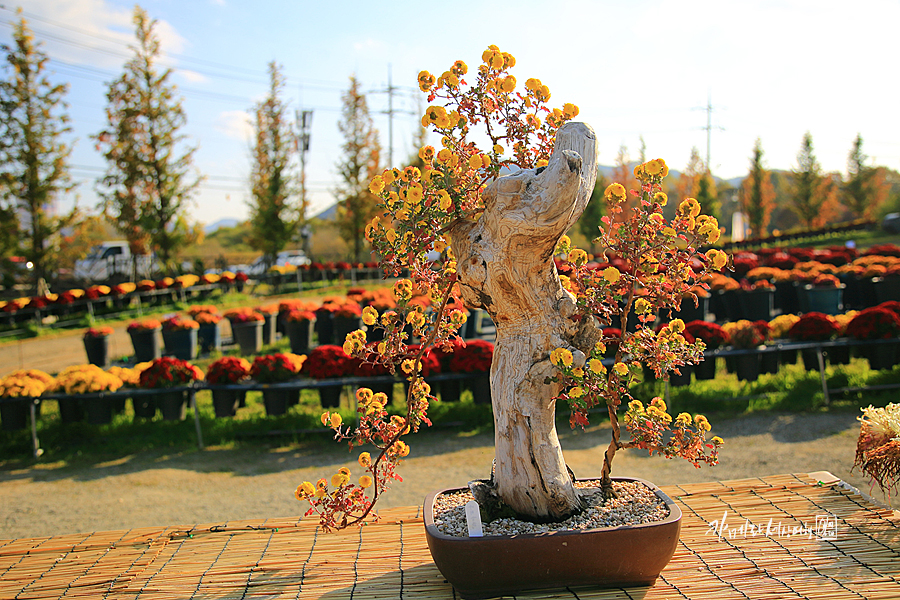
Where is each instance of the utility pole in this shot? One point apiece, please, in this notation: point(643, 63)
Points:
point(304, 126)
point(390, 112)
point(709, 127)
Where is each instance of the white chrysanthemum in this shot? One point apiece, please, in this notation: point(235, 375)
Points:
point(883, 421)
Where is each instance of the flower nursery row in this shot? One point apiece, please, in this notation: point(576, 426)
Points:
point(301, 321)
point(791, 280)
point(95, 298)
point(161, 383)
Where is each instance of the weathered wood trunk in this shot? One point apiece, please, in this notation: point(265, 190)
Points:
point(505, 264)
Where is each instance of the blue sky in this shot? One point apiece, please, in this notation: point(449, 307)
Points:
point(642, 69)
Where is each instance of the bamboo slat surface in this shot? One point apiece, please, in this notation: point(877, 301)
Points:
point(776, 558)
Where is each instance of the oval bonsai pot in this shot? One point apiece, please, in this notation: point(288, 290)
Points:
point(483, 567)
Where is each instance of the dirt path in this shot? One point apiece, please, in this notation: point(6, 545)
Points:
point(222, 485)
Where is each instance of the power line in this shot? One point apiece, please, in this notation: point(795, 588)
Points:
point(258, 76)
point(390, 91)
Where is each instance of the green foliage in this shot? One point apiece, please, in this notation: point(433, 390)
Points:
point(757, 194)
point(708, 197)
point(360, 163)
point(865, 189)
point(273, 219)
point(811, 189)
point(147, 184)
point(33, 159)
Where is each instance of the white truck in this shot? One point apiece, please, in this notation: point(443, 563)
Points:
point(111, 261)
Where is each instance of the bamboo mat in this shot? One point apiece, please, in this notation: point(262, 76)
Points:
point(853, 553)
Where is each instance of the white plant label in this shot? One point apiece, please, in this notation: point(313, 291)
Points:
point(473, 519)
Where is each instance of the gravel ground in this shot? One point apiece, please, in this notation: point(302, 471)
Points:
point(212, 486)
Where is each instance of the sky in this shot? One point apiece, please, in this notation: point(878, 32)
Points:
point(673, 74)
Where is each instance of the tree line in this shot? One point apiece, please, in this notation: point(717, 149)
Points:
point(150, 178)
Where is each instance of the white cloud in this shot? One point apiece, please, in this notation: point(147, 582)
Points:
point(192, 76)
point(235, 124)
point(93, 32)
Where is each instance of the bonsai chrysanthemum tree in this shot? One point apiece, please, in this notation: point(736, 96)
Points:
point(498, 236)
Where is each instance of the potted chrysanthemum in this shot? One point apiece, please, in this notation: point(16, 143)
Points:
point(246, 329)
point(280, 367)
point(328, 362)
point(88, 379)
point(15, 389)
point(180, 337)
point(165, 373)
point(145, 339)
point(228, 370)
point(714, 337)
point(877, 323)
point(813, 327)
point(497, 237)
point(96, 345)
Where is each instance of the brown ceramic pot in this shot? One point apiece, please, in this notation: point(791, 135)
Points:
point(608, 557)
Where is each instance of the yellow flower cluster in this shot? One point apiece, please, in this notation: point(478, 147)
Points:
point(369, 316)
point(399, 449)
point(368, 402)
point(561, 357)
point(611, 275)
point(615, 193)
point(717, 258)
point(708, 226)
point(652, 171)
point(403, 290)
point(702, 423)
point(354, 342)
point(538, 90)
point(578, 257)
point(332, 420)
point(86, 379)
point(25, 383)
point(780, 325)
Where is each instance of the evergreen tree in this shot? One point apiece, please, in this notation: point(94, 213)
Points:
point(33, 169)
point(757, 195)
point(273, 220)
point(708, 196)
point(147, 184)
point(813, 194)
point(866, 188)
point(359, 164)
point(689, 180)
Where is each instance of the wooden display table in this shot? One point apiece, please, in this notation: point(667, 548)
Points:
point(803, 536)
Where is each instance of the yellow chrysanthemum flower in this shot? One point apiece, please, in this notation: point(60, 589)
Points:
point(561, 357)
point(578, 257)
point(611, 274)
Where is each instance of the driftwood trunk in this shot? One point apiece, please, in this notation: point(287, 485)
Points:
point(505, 265)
